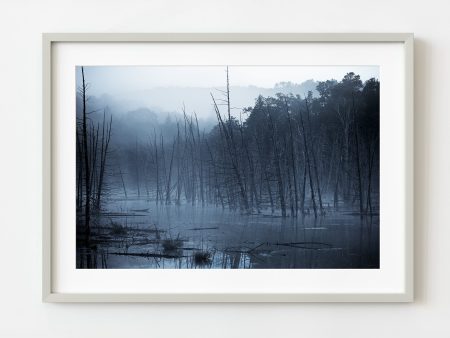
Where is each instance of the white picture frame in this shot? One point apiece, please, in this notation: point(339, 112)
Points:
point(403, 292)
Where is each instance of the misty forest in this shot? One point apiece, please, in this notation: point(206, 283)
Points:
point(290, 180)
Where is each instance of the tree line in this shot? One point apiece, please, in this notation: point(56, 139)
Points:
point(288, 154)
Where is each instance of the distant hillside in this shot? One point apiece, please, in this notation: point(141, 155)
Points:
point(198, 99)
point(137, 114)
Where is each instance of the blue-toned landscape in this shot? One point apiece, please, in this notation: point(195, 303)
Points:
point(184, 167)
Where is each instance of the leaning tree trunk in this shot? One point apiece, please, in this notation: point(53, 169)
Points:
point(103, 154)
point(314, 158)
point(358, 165)
point(277, 165)
point(293, 159)
point(231, 147)
point(313, 199)
point(87, 172)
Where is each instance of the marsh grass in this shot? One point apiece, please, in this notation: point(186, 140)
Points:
point(202, 257)
point(170, 244)
point(118, 229)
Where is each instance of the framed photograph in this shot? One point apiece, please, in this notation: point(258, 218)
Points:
point(228, 167)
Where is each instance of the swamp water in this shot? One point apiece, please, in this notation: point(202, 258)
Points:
point(138, 233)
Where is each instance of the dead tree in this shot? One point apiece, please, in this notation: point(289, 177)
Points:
point(169, 179)
point(358, 164)
point(232, 151)
point(79, 160)
point(123, 183)
point(293, 159)
point(276, 151)
point(200, 164)
point(216, 181)
point(371, 150)
point(157, 170)
point(308, 164)
point(251, 167)
point(163, 160)
point(265, 172)
point(106, 137)
point(313, 156)
point(303, 191)
point(180, 161)
point(136, 163)
point(87, 172)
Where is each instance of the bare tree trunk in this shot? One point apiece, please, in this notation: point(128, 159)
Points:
point(136, 159)
point(180, 161)
point(265, 173)
point(163, 160)
point(277, 164)
point(314, 157)
point(233, 156)
point(123, 183)
point(313, 199)
point(358, 165)
point(157, 171)
point(199, 143)
point(80, 172)
point(338, 175)
point(302, 206)
point(331, 165)
point(87, 209)
point(216, 183)
point(293, 159)
point(343, 172)
point(251, 168)
point(290, 188)
point(103, 154)
point(190, 143)
point(93, 159)
point(168, 188)
point(371, 155)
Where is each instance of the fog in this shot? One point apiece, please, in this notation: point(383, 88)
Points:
point(165, 90)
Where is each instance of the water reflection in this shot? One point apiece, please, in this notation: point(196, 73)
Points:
point(141, 234)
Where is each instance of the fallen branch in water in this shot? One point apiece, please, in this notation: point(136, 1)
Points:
point(147, 255)
point(301, 245)
point(120, 214)
point(211, 228)
point(256, 247)
point(297, 245)
point(140, 210)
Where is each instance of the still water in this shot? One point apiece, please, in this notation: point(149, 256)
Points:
point(134, 234)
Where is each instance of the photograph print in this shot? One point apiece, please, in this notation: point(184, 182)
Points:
point(227, 167)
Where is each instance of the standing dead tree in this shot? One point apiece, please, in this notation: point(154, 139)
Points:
point(92, 156)
point(357, 156)
point(276, 151)
point(313, 153)
point(232, 152)
point(106, 138)
point(308, 163)
point(169, 178)
point(293, 159)
point(87, 172)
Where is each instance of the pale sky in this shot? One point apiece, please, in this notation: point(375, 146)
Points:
point(121, 79)
point(167, 89)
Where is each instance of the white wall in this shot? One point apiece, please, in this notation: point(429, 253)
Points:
point(21, 312)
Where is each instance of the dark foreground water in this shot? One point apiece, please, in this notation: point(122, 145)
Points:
point(140, 234)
